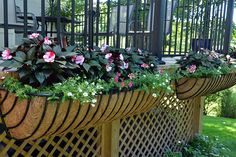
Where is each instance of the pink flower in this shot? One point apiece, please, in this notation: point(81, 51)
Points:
point(49, 56)
point(34, 35)
point(161, 71)
point(108, 56)
point(130, 84)
point(79, 60)
point(118, 74)
point(192, 68)
point(104, 48)
point(47, 41)
point(131, 76)
point(122, 84)
point(108, 68)
point(73, 58)
point(6, 54)
point(145, 66)
point(121, 57)
point(116, 79)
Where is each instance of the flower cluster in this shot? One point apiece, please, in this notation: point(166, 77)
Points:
point(38, 61)
point(204, 63)
point(81, 72)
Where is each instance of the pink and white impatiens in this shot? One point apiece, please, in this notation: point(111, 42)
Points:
point(6, 54)
point(49, 57)
point(34, 35)
point(192, 68)
point(79, 60)
point(47, 41)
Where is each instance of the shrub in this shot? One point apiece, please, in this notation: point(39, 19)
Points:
point(228, 104)
point(201, 146)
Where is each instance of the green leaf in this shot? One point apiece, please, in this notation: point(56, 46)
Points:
point(70, 48)
point(94, 63)
point(6, 63)
point(40, 61)
point(40, 77)
point(27, 41)
point(20, 56)
point(61, 62)
point(86, 66)
point(31, 54)
point(57, 50)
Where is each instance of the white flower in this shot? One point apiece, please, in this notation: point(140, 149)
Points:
point(104, 48)
point(93, 93)
point(152, 65)
point(70, 94)
point(108, 56)
point(108, 68)
point(94, 101)
point(154, 95)
point(85, 94)
point(228, 57)
point(80, 90)
point(121, 57)
point(93, 105)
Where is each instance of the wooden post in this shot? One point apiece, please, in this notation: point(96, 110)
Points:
point(110, 139)
point(197, 115)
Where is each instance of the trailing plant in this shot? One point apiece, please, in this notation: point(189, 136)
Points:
point(80, 73)
point(86, 90)
point(204, 63)
point(201, 146)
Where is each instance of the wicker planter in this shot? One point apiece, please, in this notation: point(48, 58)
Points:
point(36, 117)
point(187, 88)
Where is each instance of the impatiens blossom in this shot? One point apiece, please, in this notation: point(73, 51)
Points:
point(121, 57)
point(116, 79)
point(79, 60)
point(108, 68)
point(34, 35)
point(145, 66)
point(140, 51)
point(49, 56)
point(130, 84)
point(131, 76)
point(192, 68)
point(122, 84)
point(104, 48)
point(125, 65)
point(47, 41)
point(154, 95)
point(6, 54)
point(108, 56)
point(128, 49)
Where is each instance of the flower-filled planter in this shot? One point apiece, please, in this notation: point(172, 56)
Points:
point(60, 90)
point(37, 117)
point(203, 73)
point(187, 88)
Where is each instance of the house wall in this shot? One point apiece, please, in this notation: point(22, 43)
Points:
point(34, 6)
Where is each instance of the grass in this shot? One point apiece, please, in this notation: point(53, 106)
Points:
point(224, 129)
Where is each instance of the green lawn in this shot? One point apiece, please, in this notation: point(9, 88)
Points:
point(224, 129)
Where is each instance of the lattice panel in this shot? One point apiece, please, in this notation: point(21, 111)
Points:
point(167, 127)
point(83, 143)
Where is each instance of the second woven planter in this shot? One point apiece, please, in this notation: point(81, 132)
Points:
point(187, 88)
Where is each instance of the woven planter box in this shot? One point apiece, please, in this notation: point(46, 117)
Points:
point(36, 117)
point(187, 88)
